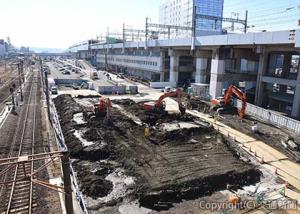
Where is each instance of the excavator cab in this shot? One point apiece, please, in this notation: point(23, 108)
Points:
point(226, 103)
point(160, 105)
point(101, 109)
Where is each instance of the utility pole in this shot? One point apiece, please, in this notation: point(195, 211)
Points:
point(22, 71)
point(47, 94)
point(20, 81)
point(193, 25)
point(146, 33)
point(11, 89)
point(124, 38)
point(67, 182)
point(246, 22)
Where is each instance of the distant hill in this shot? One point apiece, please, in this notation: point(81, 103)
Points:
point(47, 50)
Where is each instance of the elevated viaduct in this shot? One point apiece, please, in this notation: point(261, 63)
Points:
point(264, 64)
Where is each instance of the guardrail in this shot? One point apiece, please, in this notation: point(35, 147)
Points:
point(63, 147)
point(270, 116)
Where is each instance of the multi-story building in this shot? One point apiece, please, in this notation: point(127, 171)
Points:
point(265, 65)
point(180, 12)
point(3, 48)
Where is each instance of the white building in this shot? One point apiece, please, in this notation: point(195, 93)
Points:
point(2, 48)
point(180, 12)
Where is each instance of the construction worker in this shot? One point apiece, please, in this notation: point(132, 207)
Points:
point(147, 132)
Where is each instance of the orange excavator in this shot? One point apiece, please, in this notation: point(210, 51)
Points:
point(159, 105)
point(223, 102)
point(102, 108)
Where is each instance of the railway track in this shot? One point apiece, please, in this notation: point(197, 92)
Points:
point(20, 196)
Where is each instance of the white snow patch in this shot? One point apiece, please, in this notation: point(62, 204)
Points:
point(87, 102)
point(79, 119)
point(133, 208)
point(121, 182)
point(4, 115)
point(176, 126)
point(84, 142)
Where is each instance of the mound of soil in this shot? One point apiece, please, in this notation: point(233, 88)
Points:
point(92, 182)
point(168, 167)
point(152, 118)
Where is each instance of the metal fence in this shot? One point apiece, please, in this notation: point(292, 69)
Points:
point(63, 147)
point(270, 116)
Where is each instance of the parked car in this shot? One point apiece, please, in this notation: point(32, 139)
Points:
point(121, 76)
point(54, 90)
point(66, 72)
point(75, 87)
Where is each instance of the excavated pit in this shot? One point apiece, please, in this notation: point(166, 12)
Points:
point(181, 163)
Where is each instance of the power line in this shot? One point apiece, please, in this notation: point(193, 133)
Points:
point(272, 14)
point(276, 8)
point(275, 23)
point(275, 18)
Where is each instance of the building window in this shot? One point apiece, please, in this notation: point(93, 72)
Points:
point(276, 65)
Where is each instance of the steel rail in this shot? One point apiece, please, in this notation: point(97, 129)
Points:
point(25, 124)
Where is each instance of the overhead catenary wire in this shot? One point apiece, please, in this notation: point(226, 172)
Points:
point(283, 14)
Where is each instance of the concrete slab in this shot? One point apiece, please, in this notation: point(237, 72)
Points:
point(81, 92)
point(265, 151)
point(177, 126)
point(288, 167)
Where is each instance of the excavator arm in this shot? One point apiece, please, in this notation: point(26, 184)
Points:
point(104, 104)
point(159, 103)
point(241, 95)
point(176, 93)
point(102, 107)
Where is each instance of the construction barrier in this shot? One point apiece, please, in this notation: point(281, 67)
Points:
point(63, 147)
point(270, 116)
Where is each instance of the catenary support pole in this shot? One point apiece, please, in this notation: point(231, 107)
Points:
point(67, 183)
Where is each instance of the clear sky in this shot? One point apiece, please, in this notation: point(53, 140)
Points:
point(61, 23)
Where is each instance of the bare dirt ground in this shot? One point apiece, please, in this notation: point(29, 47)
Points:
point(274, 136)
point(183, 161)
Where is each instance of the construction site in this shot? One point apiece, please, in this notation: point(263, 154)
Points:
point(164, 156)
point(185, 116)
point(151, 151)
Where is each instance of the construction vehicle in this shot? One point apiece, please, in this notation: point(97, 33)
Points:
point(159, 106)
point(225, 102)
point(102, 108)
